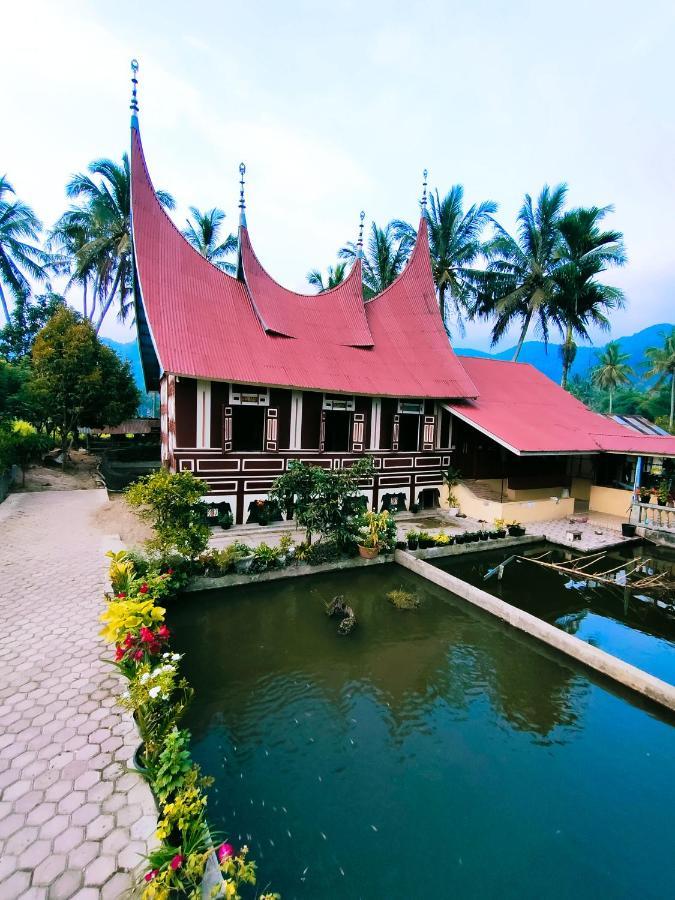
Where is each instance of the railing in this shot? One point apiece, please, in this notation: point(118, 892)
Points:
point(653, 515)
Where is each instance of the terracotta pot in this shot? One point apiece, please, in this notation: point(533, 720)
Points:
point(367, 552)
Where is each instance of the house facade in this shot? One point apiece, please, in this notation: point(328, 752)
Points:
point(252, 376)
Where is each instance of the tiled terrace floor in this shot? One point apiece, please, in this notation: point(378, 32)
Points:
point(73, 821)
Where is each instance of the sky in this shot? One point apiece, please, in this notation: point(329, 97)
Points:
point(339, 106)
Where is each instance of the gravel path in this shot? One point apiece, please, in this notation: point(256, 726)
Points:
point(73, 821)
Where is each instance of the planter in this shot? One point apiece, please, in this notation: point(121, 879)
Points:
point(138, 762)
point(516, 531)
point(367, 552)
point(483, 537)
point(413, 545)
point(425, 544)
point(453, 510)
point(627, 530)
point(243, 565)
point(501, 533)
point(401, 545)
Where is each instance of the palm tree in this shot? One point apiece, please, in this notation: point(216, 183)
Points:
point(336, 275)
point(518, 285)
point(580, 300)
point(19, 260)
point(662, 367)
point(66, 240)
point(612, 370)
point(455, 244)
point(385, 256)
point(104, 216)
point(204, 235)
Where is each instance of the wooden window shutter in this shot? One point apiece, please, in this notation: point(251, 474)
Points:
point(322, 433)
point(271, 429)
point(227, 428)
point(394, 435)
point(358, 432)
point(428, 433)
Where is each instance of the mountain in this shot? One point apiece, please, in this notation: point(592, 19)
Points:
point(129, 351)
point(548, 360)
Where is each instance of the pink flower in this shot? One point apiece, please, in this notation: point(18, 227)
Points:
point(163, 631)
point(152, 874)
point(169, 571)
point(143, 589)
point(122, 594)
point(176, 862)
point(119, 653)
point(146, 635)
point(138, 655)
point(224, 852)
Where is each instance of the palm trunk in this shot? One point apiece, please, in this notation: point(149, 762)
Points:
point(4, 305)
point(566, 356)
point(106, 305)
point(672, 400)
point(521, 341)
point(611, 397)
point(441, 304)
point(84, 300)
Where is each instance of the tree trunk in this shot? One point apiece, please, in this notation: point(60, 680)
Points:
point(672, 400)
point(106, 305)
point(611, 396)
point(84, 300)
point(4, 305)
point(441, 305)
point(521, 341)
point(566, 356)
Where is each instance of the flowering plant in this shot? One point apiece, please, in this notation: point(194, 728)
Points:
point(140, 648)
point(158, 696)
point(125, 615)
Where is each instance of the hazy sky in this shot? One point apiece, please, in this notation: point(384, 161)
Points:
point(338, 106)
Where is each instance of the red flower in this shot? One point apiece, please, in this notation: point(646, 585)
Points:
point(224, 852)
point(121, 594)
point(138, 655)
point(146, 635)
point(119, 653)
point(143, 589)
point(163, 632)
point(176, 862)
point(169, 571)
point(152, 874)
point(128, 640)
point(154, 648)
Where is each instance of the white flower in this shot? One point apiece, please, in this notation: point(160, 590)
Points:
point(126, 695)
point(144, 677)
point(154, 691)
point(176, 656)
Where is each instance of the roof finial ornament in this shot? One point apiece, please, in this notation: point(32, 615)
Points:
point(242, 200)
point(425, 174)
point(134, 99)
point(359, 243)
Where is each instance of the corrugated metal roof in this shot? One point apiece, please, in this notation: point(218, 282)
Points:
point(524, 410)
point(206, 324)
point(640, 424)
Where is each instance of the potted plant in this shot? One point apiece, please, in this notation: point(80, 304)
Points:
point(452, 478)
point(500, 528)
point(663, 491)
point(225, 519)
point(373, 533)
point(483, 535)
point(515, 529)
point(243, 557)
point(628, 529)
point(413, 540)
point(425, 540)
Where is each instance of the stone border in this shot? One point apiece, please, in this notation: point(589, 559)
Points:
point(476, 546)
point(600, 661)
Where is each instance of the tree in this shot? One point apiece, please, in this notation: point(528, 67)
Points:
point(19, 259)
point(28, 317)
point(518, 285)
point(661, 366)
point(97, 232)
point(82, 382)
point(203, 232)
point(13, 378)
point(580, 300)
point(336, 275)
point(385, 256)
point(455, 245)
point(612, 370)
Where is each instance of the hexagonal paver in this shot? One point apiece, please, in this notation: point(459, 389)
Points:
point(33, 855)
point(68, 839)
point(15, 885)
point(83, 854)
point(99, 871)
point(100, 826)
point(66, 885)
point(50, 869)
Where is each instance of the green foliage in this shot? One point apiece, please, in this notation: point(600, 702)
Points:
point(320, 552)
point(81, 381)
point(661, 366)
point(20, 260)
point(265, 557)
point(172, 504)
point(612, 370)
point(173, 764)
point(28, 317)
point(403, 599)
point(204, 232)
point(384, 256)
point(336, 275)
point(376, 530)
point(321, 498)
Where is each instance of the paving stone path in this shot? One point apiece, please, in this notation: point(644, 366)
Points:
point(73, 821)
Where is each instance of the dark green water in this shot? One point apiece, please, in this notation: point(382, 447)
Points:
point(431, 754)
point(632, 628)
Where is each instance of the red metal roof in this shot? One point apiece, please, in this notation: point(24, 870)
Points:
point(527, 412)
point(205, 324)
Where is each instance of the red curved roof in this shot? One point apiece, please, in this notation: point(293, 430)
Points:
point(205, 324)
point(336, 316)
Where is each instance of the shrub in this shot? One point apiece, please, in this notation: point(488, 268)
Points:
point(172, 504)
point(265, 557)
point(377, 530)
point(173, 764)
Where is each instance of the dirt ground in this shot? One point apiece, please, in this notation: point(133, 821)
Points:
point(79, 475)
point(115, 517)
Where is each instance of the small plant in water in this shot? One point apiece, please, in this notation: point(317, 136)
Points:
point(403, 599)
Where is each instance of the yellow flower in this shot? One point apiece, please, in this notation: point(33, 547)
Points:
point(128, 614)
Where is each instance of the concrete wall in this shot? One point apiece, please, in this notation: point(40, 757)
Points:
point(611, 501)
point(581, 488)
point(604, 663)
point(531, 510)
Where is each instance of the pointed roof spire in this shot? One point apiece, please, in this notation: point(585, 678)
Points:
point(242, 201)
point(359, 243)
point(425, 174)
point(133, 106)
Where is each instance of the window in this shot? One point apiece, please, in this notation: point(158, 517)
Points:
point(248, 426)
point(336, 428)
point(408, 433)
point(249, 395)
point(338, 402)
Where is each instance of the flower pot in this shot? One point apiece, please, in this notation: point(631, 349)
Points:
point(516, 531)
point(243, 565)
point(453, 510)
point(138, 762)
point(627, 529)
point(412, 544)
point(401, 545)
point(367, 552)
point(483, 537)
point(501, 533)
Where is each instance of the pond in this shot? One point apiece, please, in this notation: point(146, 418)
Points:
point(431, 753)
point(635, 629)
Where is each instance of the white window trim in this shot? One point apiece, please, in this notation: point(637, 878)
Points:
point(203, 414)
point(263, 395)
point(349, 407)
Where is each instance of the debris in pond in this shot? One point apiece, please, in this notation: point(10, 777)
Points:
point(338, 607)
point(305, 870)
point(323, 835)
point(284, 809)
point(342, 871)
point(374, 827)
point(272, 842)
point(403, 599)
point(289, 834)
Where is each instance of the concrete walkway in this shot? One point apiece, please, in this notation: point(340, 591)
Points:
point(73, 821)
